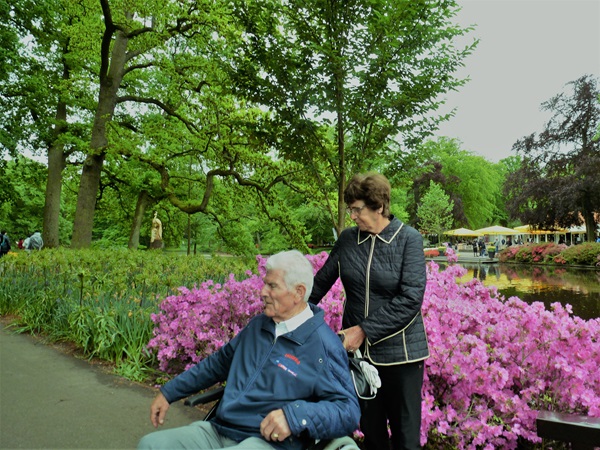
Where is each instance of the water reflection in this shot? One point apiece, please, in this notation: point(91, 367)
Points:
point(578, 287)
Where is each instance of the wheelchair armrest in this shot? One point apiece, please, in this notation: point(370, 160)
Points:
point(205, 397)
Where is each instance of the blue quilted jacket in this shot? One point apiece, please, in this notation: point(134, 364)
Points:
point(384, 281)
point(304, 372)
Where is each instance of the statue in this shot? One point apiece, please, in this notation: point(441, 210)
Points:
point(156, 232)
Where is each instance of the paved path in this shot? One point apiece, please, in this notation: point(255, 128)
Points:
point(52, 400)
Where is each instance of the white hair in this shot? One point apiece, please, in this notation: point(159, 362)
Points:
point(297, 270)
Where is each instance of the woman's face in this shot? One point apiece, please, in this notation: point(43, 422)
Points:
point(365, 219)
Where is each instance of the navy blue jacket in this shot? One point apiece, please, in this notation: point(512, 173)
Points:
point(304, 372)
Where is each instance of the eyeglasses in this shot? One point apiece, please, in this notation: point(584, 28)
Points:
point(356, 210)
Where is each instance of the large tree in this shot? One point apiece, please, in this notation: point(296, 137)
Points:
point(350, 82)
point(37, 95)
point(161, 101)
point(557, 183)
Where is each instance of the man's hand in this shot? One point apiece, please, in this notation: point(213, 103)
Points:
point(274, 427)
point(158, 410)
point(353, 337)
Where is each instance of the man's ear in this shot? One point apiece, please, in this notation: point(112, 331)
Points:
point(301, 290)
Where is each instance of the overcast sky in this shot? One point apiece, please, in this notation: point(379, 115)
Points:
point(528, 51)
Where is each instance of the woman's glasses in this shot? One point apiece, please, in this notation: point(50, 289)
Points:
point(355, 210)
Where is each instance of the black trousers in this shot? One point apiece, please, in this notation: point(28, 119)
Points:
point(399, 402)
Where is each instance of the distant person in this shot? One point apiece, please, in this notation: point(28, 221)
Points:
point(475, 248)
point(35, 241)
point(4, 243)
point(481, 247)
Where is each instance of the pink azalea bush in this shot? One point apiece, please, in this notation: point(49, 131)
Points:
point(586, 254)
point(494, 361)
point(200, 320)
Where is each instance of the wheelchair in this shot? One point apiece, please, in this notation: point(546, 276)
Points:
point(215, 394)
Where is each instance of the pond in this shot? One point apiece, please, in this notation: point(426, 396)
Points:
point(579, 288)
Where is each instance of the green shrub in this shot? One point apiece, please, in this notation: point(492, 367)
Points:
point(102, 300)
point(587, 254)
point(508, 254)
point(524, 254)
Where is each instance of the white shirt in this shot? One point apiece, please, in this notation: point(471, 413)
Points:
point(291, 324)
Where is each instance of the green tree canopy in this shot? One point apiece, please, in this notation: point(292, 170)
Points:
point(435, 211)
point(214, 108)
point(350, 83)
point(473, 184)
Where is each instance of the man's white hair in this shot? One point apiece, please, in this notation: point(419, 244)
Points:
point(297, 270)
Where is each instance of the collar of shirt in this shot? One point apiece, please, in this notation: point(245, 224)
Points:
point(293, 323)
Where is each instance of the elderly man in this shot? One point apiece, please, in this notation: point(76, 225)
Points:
point(286, 371)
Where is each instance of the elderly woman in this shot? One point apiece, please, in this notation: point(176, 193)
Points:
point(382, 267)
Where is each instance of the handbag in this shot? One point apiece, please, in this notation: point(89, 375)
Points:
point(365, 376)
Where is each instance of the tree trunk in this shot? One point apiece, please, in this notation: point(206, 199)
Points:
point(590, 222)
point(86, 201)
point(56, 165)
point(341, 219)
point(140, 209)
point(92, 168)
point(341, 143)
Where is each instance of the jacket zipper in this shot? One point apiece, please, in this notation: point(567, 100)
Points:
point(367, 287)
point(260, 366)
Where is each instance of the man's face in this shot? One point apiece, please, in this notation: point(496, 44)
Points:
point(279, 303)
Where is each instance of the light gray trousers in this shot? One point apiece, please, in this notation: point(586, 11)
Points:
point(198, 435)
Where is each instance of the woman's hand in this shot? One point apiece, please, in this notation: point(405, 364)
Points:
point(353, 337)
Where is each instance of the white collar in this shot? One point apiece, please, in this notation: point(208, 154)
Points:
point(291, 324)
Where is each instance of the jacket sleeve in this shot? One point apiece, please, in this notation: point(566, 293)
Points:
point(398, 313)
point(327, 275)
point(335, 411)
point(206, 373)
